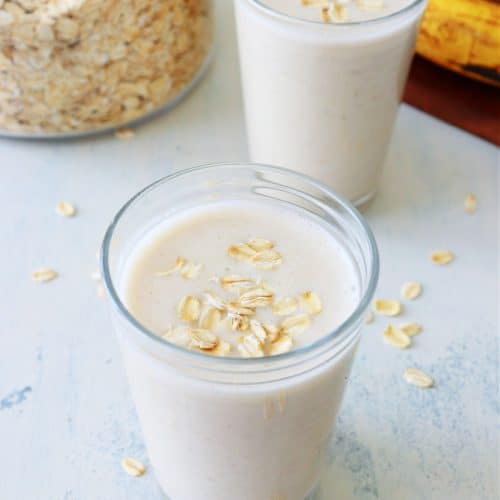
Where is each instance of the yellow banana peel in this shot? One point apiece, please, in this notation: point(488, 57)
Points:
point(463, 35)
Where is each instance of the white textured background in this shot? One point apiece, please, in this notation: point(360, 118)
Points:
point(66, 418)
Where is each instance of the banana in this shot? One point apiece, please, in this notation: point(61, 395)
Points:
point(463, 35)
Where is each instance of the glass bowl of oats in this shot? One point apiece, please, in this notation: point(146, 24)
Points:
point(73, 67)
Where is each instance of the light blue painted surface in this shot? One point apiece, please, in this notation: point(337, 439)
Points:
point(66, 418)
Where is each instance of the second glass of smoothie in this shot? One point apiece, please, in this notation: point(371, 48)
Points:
point(322, 82)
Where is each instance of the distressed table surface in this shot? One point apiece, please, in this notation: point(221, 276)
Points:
point(66, 417)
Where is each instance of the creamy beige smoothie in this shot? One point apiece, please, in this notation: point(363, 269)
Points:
point(229, 268)
point(340, 11)
point(322, 82)
point(262, 280)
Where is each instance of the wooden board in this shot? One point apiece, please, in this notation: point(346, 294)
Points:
point(465, 103)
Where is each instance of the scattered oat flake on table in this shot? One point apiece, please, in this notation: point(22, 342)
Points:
point(65, 209)
point(418, 378)
point(395, 337)
point(124, 133)
point(44, 274)
point(411, 290)
point(387, 307)
point(470, 204)
point(410, 329)
point(442, 257)
point(133, 467)
point(369, 318)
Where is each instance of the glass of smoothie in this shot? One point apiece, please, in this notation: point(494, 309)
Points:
point(237, 294)
point(322, 82)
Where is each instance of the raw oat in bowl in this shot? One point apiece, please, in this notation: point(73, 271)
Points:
point(74, 66)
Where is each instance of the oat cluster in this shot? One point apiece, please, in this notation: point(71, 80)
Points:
point(400, 335)
point(76, 65)
point(335, 11)
point(203, 316)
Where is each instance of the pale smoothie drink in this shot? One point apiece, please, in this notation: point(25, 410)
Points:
point(322, 83)
point(245, 298)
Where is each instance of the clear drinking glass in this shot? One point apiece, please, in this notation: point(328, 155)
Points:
point(322, 98)
point(232, 428)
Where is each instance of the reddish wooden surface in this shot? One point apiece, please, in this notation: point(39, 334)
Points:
point(465, 103)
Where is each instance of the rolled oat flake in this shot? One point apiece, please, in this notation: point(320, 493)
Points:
point(133, 467)
point(417, 377)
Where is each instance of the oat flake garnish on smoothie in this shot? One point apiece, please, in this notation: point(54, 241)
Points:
point(204, 315)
